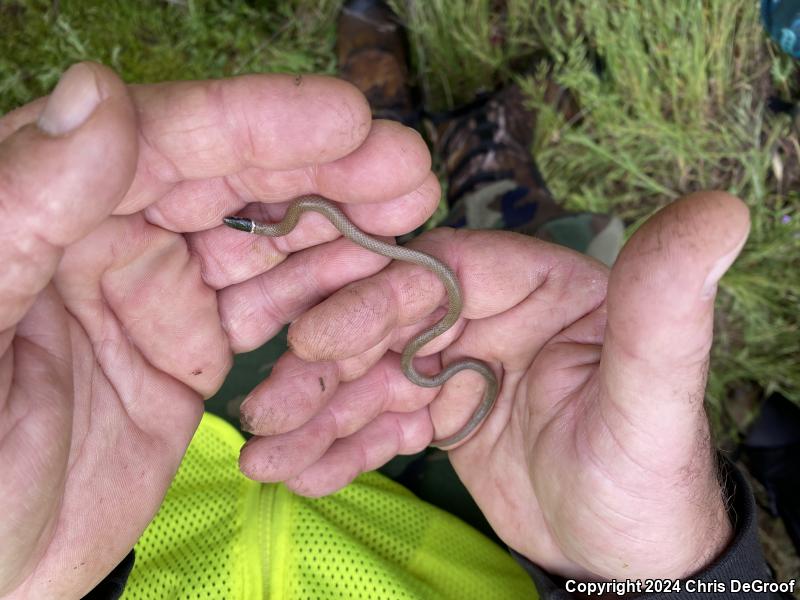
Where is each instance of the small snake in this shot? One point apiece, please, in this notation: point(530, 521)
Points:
point(443, 272)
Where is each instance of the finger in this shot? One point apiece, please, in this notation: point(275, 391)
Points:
point(391, 161)
point(357, 366)
point(296, 391)
point(274, 121)
point(276, 458)
point(398, 215)
point(350, 322)
point(507, 279)
point(206, 129)
point(268, 132)
point(293, 393)
point(362, 314)
point(229, 257)
point(383, 439)
point(391, 166)
point(660, 317)
point(498, 271)
point(194, 130)
point(213, 199)
point(381, 389)
point(59, 179)
point(252, 312)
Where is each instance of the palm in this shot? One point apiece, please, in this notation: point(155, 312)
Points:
point(523, 468)
point(537, 473)
point(106, 409)
point(599, 480)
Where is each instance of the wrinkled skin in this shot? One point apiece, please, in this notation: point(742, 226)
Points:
point(113, 256)
point(123, 301)
point(597, 460)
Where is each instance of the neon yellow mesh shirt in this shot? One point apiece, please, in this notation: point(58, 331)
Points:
point(220, 535)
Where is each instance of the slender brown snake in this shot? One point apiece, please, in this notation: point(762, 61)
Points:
point(442, 271)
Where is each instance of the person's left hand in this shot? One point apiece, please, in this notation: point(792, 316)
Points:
point(113, 255)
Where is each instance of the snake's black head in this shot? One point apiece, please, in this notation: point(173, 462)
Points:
point(239, 223)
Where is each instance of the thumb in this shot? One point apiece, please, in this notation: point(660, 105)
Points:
point(660, 321)
point(60, 177)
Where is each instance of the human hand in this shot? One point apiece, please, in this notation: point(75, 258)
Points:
point(113, 255)
point(597, 460)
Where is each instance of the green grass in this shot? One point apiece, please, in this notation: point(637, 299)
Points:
point(157, 40)
point(671, 93)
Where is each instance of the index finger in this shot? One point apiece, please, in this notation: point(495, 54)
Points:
point(204, 129)
point(194, 130)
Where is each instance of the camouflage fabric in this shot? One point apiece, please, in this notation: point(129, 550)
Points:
point(495, 184)
point(506, 205)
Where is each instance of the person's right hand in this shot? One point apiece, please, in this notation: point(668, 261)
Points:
point(596, 462)
point(112, 253)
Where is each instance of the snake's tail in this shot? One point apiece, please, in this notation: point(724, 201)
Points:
point(239, 223)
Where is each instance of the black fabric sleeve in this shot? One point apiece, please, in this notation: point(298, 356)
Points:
point(742, 561)
point(113, 585)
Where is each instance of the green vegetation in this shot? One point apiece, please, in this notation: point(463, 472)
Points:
point(156, 40)
point(672, 98)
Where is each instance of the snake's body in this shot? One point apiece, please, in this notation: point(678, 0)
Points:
point(443, 272)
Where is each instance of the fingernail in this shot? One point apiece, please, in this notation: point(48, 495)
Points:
point(718, 270)
point(245, 418)
point(71, 102)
